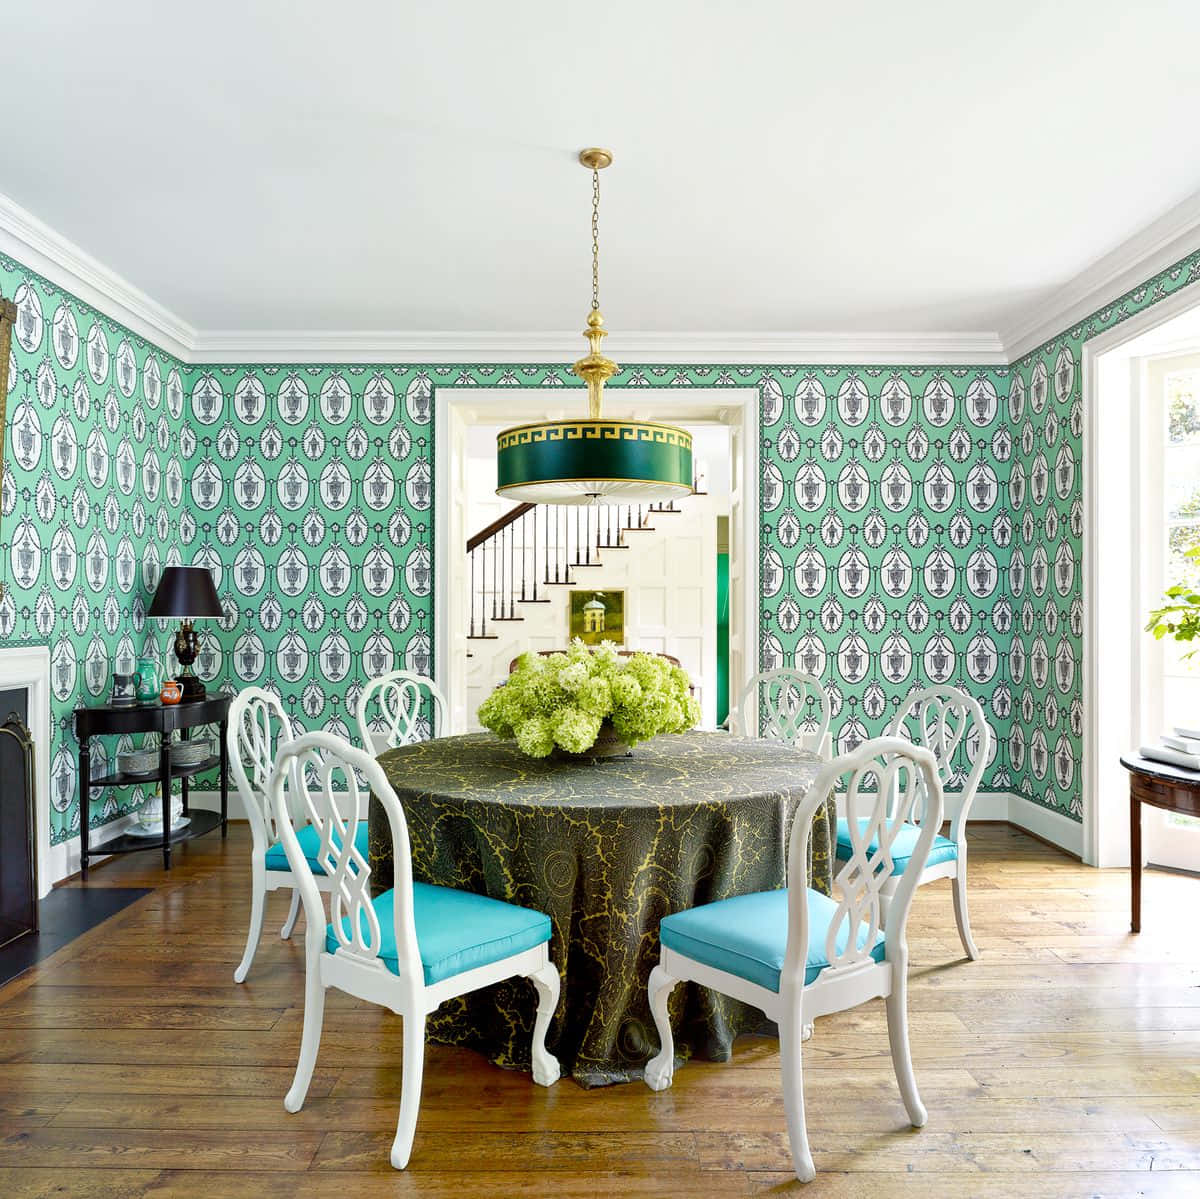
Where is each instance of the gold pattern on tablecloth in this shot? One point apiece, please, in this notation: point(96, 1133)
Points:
point(605, 849)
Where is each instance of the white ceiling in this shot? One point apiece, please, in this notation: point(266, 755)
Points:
point(780, 165)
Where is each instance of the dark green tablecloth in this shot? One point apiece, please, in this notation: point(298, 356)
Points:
point(606, 849)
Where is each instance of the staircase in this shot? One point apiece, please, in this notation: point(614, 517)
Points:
point(517, 559)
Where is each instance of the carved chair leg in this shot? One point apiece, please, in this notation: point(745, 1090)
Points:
point(258, 901)
point(897, 1018)
point(793, 1094)
point(961, 916)
point(310, 1038)
point(410, 1088)
point(660, 1069)
point(290, 923)
point(546, 1069)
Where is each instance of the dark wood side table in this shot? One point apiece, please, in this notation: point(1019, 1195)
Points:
point(1172, 788)
point(165, 720)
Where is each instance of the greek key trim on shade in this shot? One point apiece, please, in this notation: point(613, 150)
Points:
point(604, 452)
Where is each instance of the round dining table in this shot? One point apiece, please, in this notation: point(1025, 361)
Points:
point(606, 848)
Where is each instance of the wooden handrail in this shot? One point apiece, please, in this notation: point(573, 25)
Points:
point(499, 523)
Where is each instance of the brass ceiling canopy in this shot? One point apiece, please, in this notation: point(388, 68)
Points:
point(594, 461)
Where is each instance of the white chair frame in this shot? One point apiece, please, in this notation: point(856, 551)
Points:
point(906, 774)
point(399, 696)
point(777, 700)
point(258, 726)
point(944, 717)
point(309, 764)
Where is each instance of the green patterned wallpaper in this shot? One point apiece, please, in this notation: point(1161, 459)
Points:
point(93, 507)
point(918, 524)
point(885, 537)
point(312, 491)
point(1045, 414)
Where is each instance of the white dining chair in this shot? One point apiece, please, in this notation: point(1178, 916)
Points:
point(257, 727)
point(942, 720)
point(797, 954)
point(409, 949)
point(787, 705)
point(397, 698)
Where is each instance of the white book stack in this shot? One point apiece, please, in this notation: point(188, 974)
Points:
point(1178, 748)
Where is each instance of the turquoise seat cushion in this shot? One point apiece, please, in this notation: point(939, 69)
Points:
point(456, 930)
point(942, 850)
point(747, 935)
point(310, 844)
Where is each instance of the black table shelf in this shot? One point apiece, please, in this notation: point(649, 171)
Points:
point(201, 822)
point(107, 720)
point(122, 779)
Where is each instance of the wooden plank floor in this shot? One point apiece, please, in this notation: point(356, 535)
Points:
point(1066, 1062)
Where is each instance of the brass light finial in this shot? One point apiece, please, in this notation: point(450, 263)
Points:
point(594, 368)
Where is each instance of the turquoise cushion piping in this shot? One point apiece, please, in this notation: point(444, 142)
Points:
point(942, 849)
point(310, 845)
point(456, 930)
point(747, 935)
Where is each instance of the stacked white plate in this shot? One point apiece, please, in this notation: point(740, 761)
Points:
point(138, 761)
point(189, 753)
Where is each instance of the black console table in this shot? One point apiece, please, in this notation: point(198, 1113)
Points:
point(164, 719)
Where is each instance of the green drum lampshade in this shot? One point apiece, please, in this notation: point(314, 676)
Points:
point(594, 462)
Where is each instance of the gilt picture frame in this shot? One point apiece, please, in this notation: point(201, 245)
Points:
point(595, 615)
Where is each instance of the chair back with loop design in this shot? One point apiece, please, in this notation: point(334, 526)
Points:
point(390, 711)
point(258, 727)
point(787, 705)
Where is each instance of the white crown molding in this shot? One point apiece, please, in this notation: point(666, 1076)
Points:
point(1159, 245)
point(35, 245)
point(629, 348)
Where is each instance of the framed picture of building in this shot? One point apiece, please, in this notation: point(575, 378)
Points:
point(597, 616)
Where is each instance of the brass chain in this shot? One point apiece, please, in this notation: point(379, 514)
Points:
point(595, 238)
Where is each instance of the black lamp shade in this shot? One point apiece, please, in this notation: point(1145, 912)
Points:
point(186, 592)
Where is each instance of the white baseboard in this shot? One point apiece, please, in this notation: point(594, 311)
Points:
point(988, 805)
point(1051, 826)
point(210, 801)
point(62, 860)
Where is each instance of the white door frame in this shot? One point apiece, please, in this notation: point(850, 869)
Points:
point(737, 407)
point(1105, 827)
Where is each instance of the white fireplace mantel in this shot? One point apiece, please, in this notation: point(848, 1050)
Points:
point(29, 666)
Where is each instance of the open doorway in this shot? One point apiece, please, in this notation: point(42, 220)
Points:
point(663, 578)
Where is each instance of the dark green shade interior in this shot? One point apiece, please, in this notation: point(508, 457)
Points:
point(594, 458)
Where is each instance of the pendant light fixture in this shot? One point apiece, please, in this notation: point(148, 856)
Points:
point(594, 460)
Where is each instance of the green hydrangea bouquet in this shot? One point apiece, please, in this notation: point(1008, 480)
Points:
point(564, 699)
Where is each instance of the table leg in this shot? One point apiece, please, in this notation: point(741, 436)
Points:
point(85, 773)
point(164, 775)
point(1135, 863)
point(224, 753)
point(186, 734)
